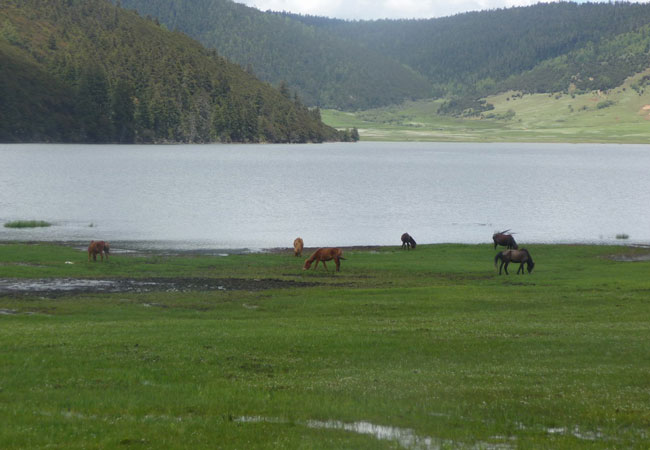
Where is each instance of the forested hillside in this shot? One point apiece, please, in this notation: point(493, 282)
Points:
point(543, 48)
point(548, 47)
point(88, 71)
point(325, 70)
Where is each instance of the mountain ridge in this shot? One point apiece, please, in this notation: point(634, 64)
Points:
point(88, 71)
point(467, 55)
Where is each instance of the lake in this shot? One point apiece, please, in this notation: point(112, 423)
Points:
point(263, 196)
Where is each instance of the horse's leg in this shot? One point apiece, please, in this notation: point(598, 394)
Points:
point(325, 265)
point(521, 269)
point(506, 267)
point(316, 265)
point(501, 266)
point(338, 264)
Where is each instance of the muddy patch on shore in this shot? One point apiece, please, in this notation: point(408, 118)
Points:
point(55, 287)
point(633, 254)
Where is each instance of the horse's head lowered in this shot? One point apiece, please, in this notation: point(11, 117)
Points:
point(530, 265)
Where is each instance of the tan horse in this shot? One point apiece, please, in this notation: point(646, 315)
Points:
point(298, 245)
point(520, 256)
point(96, 247)
point(325, 254)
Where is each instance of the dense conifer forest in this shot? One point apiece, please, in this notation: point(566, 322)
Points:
point(126, 70)
point(88, 71)
point(548, 47)
point(326, 71)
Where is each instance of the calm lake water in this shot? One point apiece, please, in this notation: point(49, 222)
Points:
point(263, 196)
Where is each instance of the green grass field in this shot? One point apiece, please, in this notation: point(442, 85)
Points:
point(621, 115)
point(431, 344)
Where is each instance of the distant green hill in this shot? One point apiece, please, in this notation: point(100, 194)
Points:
point(352, 65)
point(620, 115)
point(326, 70)
point(87, 71)
point(476, 53)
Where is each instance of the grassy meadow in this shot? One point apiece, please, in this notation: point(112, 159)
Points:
point(430, 344)
point(621, 115)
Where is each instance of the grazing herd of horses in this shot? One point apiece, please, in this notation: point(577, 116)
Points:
point(512, 254)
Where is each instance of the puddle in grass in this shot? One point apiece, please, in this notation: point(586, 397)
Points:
point(406, 437)
point(577, 433)
point(52, 287)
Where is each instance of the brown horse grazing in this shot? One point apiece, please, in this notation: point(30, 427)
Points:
point(298, 245)
point(408, 241)
point(325, 254)
point(100, 247)
point(501, 238)
point(519, 256)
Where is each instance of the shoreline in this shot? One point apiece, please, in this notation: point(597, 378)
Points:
point(123, 247)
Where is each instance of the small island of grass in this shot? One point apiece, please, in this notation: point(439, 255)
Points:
point(27, 224)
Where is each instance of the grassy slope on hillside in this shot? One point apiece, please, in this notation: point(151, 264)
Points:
point(537, 118)
point(430, 340)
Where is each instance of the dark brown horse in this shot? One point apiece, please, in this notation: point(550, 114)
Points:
point(325, 254)
point(502, 238)
point(408, 241)
point(518, 256)
point(96, 247)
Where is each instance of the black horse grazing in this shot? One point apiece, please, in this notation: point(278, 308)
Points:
point(519, 256)
point(408, 241)
point(502, 238)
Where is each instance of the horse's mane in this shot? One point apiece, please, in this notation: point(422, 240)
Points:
point(530, 258)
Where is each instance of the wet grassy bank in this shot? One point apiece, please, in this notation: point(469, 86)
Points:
point(429, 343)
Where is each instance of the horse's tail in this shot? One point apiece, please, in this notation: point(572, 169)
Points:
point(497, 258)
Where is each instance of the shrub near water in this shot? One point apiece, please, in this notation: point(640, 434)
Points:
point(27, 224)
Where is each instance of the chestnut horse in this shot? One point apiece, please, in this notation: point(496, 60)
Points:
point(501, 238)
point(408, 241)
point(298, 245)
point(518, 256)
point(100, 247)
point(325, 254)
